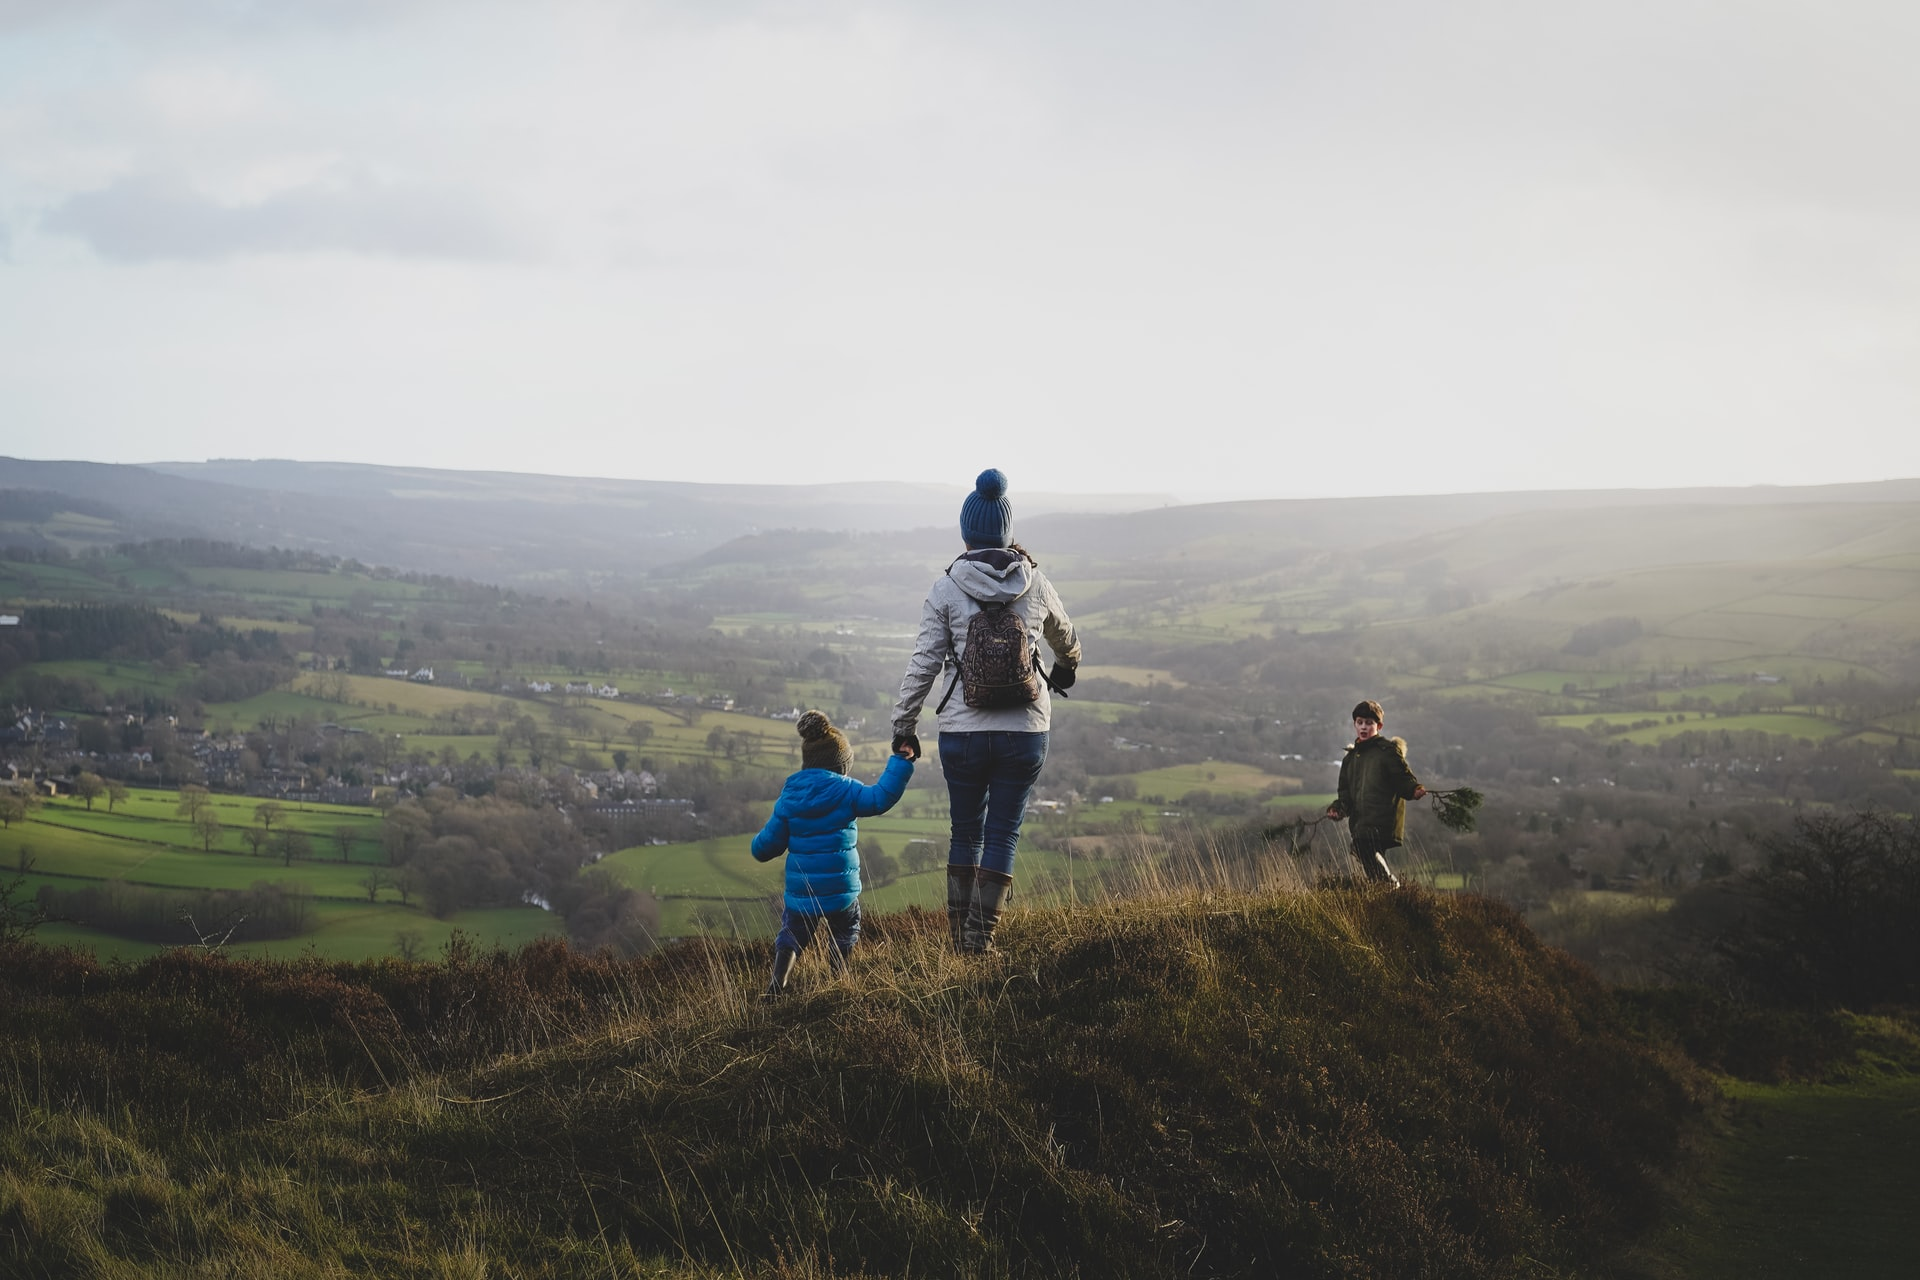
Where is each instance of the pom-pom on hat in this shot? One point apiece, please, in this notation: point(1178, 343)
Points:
point(986, 516)
point(821, 745)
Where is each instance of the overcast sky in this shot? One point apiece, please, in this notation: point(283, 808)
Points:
point(1330, 247)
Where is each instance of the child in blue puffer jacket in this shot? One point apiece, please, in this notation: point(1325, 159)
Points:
point(813, 823)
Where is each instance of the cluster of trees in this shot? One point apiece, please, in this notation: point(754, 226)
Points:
point(454, 851)
point(1826, 920)
point(55, 632)
point(1820, 918)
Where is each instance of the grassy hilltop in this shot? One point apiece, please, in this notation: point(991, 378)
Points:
point(1208, 1083)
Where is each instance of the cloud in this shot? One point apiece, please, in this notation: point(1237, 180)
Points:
point(153, 218)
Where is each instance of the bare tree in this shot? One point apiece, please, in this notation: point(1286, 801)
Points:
point(16, 805)
point(116, 792)
point(194, 801)
point(207, 825)
point(294, 844)
point(268, 813)
point(405, 827)
point(89, 787)
point(373, 882)
point(342, 838)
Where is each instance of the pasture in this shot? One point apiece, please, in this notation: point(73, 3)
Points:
point(144, 840)
point(140, 677)
point(346, 931)
point(1788, 723)
point(1143, 677)
point(1223, 777)
point(298, 588)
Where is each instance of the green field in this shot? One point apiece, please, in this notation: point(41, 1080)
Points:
point(114, 676)
point(1719, 694)
point(1223, 777)
point(1554, 681)
point(300, 588)
point(345, 931)
point(144, 841)
point(1790, 724)
point(1141, 676)
point(1807, 1180)
point(1104, 712)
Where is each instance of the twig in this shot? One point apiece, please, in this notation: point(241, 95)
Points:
point(1296, 835)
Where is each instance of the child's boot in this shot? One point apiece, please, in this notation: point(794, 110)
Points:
point(990, 890)
point(959, 903)
point(1375, 865)
point(783, 959)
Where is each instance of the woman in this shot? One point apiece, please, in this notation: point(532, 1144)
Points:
point(984, 617)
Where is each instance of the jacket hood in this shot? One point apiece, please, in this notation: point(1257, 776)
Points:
point(811, 793)
point(1399, 744)
point(998, 577)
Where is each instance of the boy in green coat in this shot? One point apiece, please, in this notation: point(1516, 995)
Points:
point(1375, 785)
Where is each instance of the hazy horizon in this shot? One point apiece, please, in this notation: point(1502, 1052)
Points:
point(1054, 496)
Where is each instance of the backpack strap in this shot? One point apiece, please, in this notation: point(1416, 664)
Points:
point(950, 688)
point(956, 657)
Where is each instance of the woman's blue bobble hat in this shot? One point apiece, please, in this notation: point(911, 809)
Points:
point(986, 516)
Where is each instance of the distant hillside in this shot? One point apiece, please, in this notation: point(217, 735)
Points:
point(1229, 530)
point(1708, 575)
point(491, 526)
point(1777, 568)
point(1208, 1085)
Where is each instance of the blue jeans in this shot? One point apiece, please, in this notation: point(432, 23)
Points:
point(989, 777)
point(797, 929)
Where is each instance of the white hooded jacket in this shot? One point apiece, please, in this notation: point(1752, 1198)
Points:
point(994, 575)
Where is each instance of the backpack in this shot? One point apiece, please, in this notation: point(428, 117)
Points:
point(1000, 666)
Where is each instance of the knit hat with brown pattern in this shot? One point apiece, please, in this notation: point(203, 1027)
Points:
point(821, 745)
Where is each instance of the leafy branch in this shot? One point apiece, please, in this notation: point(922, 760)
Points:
point(1455, 807)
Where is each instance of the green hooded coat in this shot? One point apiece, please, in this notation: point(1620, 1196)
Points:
point(1375, 784)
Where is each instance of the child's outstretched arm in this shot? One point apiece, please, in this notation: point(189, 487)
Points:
point(772, 840)
point(886, 793)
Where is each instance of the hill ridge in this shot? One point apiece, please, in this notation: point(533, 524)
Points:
point(1340, 1083)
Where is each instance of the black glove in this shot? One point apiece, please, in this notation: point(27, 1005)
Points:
point(1064, 674)
point(910, 742)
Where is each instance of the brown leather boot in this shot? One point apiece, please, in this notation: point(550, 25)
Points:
point(990, 890)
point(959, 901)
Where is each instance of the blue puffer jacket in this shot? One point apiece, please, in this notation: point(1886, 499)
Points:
point(813, 818)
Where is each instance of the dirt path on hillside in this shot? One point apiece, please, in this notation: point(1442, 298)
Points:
point(1808, 1182)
